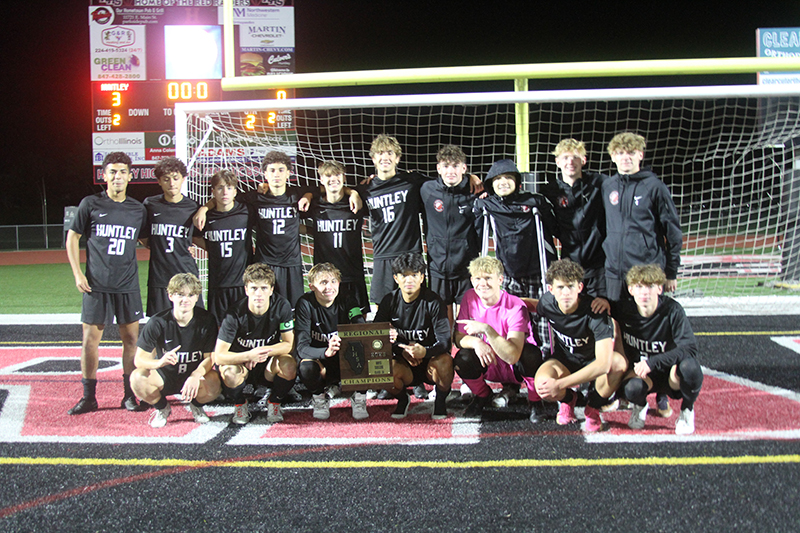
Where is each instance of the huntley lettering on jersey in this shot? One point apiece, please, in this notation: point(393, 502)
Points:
point(332, 226)
point(643, 345)
point(571, 341)
point(219, 235)
point(377, 202)
point(418, 335)
point(168, 230)
point(277, 212)
point(115, 231)
point(322, 337)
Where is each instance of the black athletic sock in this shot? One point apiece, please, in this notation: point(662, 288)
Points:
point(569, 394)
point(126, 382)
point(196, 403)
point(160, 404)
point(237, 393)
point(280, 388)
point(89, 388)
point(595, 400)
point(441, 397)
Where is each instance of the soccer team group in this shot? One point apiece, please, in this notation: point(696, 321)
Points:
point(593, 328)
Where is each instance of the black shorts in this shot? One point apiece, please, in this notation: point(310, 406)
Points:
point(419, 373)
point(382, 280)
point(102, 307)
point(158, 300)
point(221, 298)
point(256, 377)
point(451, 291)
point(358, 289)
point(661, 384)
point(289, 282)
point(173, 383)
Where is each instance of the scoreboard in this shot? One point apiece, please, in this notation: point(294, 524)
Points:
point(148, 55)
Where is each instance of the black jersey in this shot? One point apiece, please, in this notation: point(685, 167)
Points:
point(229, 245)
point(514, 229)
point(394, 209)
point(169, 235)
point(576, 333)
point(423, 321)
point(453, 231)
point(162, 333)
point(111, 229)
point(581, 219)
point(316, 324)
point(665, 338)
point(277, 226)
point(337, 236)
point(245, 331)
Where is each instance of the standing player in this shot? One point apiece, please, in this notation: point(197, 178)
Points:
point(254, 345)
point(420, 335)
point(112, 222)
point(453, 232)
point(642, 224)
point(495, 339)
point(174, 354)
point(168, 233)
point(583, 351)
point(227, 237)
point(337, 232)
point(319, 313)
point(581, 223)
point(658, 341)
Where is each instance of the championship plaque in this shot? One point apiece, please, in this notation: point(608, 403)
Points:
point(365, 356)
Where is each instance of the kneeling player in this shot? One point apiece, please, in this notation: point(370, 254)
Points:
point(174, 354)
point(659, 342)
point(420, 335)
point(319, 313)
point(583, 348)
point(254, 344)
point(495, 337)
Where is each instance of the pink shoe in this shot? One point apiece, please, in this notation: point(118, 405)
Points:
point(593, 421)
point(566, 411)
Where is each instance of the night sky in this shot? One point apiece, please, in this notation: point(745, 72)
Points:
point(46, 116)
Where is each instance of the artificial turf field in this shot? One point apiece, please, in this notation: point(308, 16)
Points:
point(109, 471)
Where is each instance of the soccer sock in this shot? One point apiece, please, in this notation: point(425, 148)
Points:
point(441, 396)
point(569, 394)
point(89, 388)
point(237, 393)
point(595, 400)
point(126, 382)
point(160, 404)
point(196, 403)
point(280, 388)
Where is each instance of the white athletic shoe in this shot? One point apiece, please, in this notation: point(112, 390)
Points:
point(359, 404)
point(158, 418)
point(638, 416)
point(322, 410)
point(505, 396)
point(333, 391)
point(274, 413)
point(685, 423)
point(241, 414)
point(198, 413)
point(466, 392)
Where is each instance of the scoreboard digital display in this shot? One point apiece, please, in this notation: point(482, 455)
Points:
point(149, 55)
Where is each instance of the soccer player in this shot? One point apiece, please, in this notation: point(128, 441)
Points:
point(583, 351)
point(394, 206)
point(642, 224)
point(453, 231)
point(319, 313)
point(658, 341)
point(254, 345)
point(174, 354)
point(581, 224)
point(494, 339)
point(168, 233)
point(337, 232)
point(227, 239)
point(112, 222)
point(420, 335)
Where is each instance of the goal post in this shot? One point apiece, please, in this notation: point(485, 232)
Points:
point(727, 153)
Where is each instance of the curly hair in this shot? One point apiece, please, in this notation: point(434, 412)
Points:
point(564, 270)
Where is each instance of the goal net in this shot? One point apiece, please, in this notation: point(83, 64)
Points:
point(726, 153)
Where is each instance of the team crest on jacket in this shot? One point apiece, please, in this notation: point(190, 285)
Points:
point(438, 205)
point(525, 208)
point(563, 201)
point(614, 197)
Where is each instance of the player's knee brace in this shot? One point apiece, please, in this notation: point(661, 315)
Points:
point(311, 376)
point(636, 391)
point(691, 376)
point(467, 364)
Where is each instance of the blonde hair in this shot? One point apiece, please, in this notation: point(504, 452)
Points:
point(182, 282)
point(384, 143)
point(331, 168)
point(570, 145)
point(259, 272)
point(645, 275)
point(485, 265)
point(626, 142)
point(323, 268)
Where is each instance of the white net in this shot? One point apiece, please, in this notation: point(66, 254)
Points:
point(730, 163)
